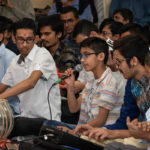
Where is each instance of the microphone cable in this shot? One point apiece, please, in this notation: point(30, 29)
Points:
point(48, 99)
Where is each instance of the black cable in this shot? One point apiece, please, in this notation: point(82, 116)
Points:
point(50, 111)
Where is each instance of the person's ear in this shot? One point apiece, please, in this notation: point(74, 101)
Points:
point(13, 39)
point(134, 61)
point(101, 56)
point(59, 35)
point(1, 37)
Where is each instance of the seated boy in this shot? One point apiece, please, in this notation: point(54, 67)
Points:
point(98, 102)
point(130, 62)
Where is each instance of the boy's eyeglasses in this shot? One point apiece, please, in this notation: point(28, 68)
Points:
point(85, 56)
point(22, 40)
point(104, 33)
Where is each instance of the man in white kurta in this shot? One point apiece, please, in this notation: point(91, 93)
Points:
point(31, 75)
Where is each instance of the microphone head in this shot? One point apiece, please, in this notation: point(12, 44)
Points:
point(78, 68)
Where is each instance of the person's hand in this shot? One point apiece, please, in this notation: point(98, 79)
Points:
point(71, 78)
point(99, 134)
point(65, 129)
point(134, 129)
point(95, 34)
point(9, 4)
point(144, 126)
point(83, 129)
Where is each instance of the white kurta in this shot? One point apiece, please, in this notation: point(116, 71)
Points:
point(34, 102)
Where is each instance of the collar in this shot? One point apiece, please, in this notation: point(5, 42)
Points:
point(105, 73)
point(30, 56)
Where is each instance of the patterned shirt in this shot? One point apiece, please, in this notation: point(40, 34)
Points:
point(102, 92)
point(69, 41)
point(141, 90)
point(65, 57)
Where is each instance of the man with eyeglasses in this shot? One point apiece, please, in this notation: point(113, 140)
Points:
point(31, 74)
point(129, 55)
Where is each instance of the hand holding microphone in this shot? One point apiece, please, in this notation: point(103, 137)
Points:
point(69, 75)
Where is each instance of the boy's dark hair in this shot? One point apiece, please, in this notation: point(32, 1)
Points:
point(53, 21)
point(131, 46)
point(84, 27)
point(133, 28)
point(104, 23)
point(147, 59)
point(67, 9)
point(97, 45)
point(7, 23)
point(113, 26)
point(125, 13)
point(24, 23)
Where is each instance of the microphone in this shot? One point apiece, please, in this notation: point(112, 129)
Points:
point(77, 68)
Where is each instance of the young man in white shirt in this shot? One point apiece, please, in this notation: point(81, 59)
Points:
point(31, 75)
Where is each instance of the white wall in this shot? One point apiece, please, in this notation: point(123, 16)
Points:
point(41, 3)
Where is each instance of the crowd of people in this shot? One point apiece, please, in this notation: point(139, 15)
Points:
point(111, 92)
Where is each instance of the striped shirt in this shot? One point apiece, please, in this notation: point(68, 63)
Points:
point(102, 92)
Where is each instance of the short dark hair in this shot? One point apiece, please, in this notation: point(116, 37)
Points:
point(53, 21)
point(131, 46)
point(7, 23)
point(24, 23)
point(133, 28)
point(147, 59)
point(104, 23)
point(113, 26)
point(67, 9)
point(125, 13)
point(84, 27)
point(97, 45)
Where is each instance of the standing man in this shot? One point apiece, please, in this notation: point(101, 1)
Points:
point(31, 75)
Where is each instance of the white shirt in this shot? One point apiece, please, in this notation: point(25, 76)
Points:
point(34, 103)
point(84, 76)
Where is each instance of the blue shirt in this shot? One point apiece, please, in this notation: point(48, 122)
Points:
point(6, 57)
point(129, 108)
point(139, 8)
point(85, 15)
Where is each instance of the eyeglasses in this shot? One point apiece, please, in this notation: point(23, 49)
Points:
point(105, 33)
point(85, 56)
point(69, 21)
point(22, 40)
point(119, 61)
